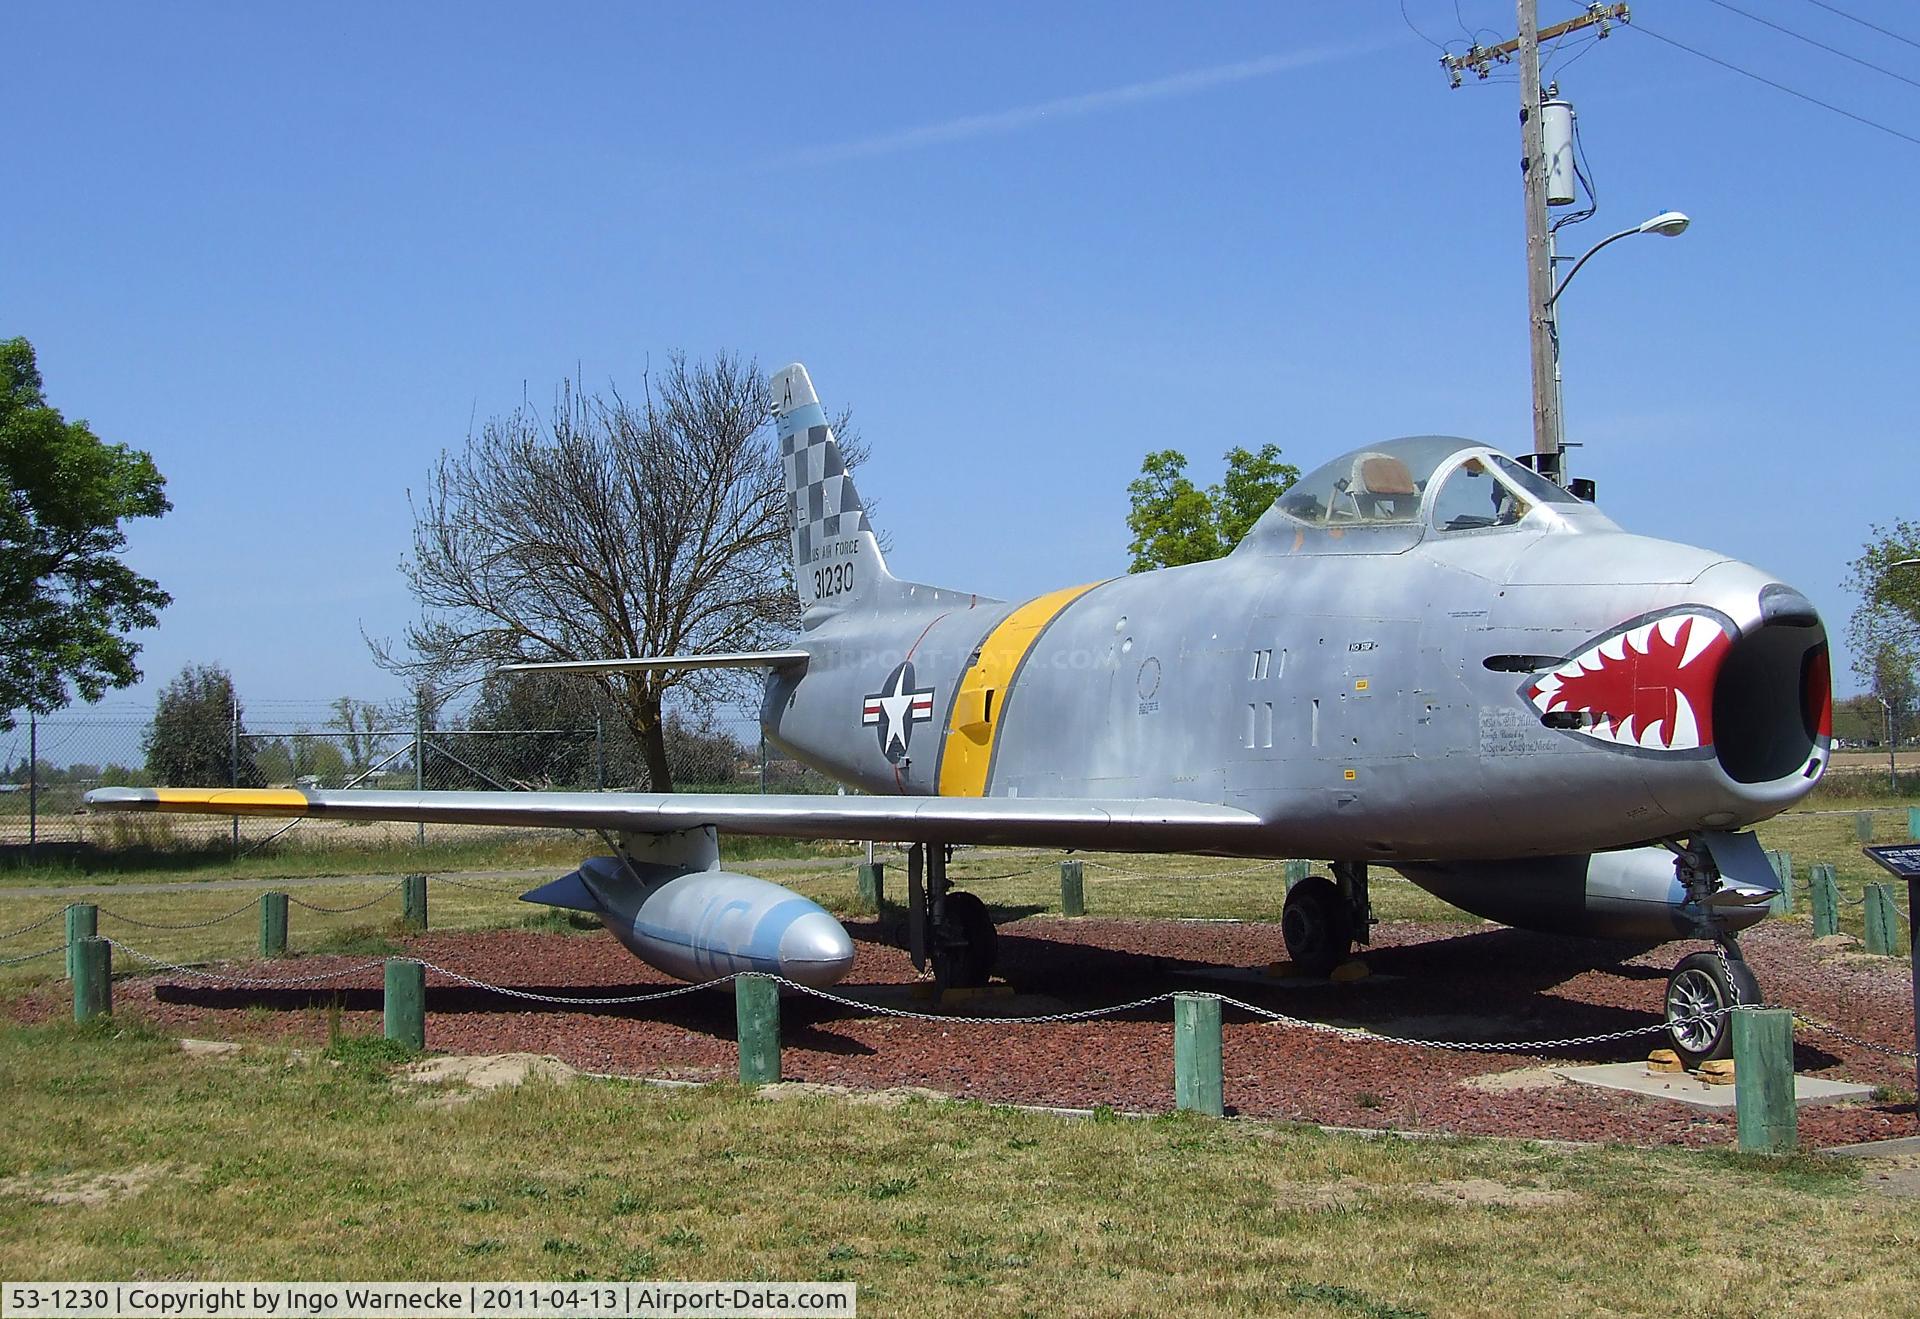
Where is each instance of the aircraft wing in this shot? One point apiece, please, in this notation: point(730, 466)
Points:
point(1113, 824)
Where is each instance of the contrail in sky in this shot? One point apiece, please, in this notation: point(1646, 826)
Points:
point(966, 127)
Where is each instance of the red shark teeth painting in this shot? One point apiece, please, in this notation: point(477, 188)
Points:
point(1647, 686)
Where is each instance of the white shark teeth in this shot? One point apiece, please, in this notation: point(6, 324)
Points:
point(1614, 649)
point(1701, 633)
point(1670, 627)
point(1544, 689)
point(1686, 728)
point(1651, 736)
point(1641, 638)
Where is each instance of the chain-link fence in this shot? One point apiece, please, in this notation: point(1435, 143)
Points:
point(48, 764)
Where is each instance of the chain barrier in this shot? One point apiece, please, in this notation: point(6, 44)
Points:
point(1352, 1033)
point(376, 899)
point(1835, 1031)
point(190, 925)
point(48, 919)
point(475, 885)
point(44, 952)
point(676, 992)
point(248, 982)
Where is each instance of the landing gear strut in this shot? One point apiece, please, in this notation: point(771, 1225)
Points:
point(1706, 985)
point(952, 930)
point(1323, 917)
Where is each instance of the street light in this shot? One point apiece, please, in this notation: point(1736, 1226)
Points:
point(1668, 224)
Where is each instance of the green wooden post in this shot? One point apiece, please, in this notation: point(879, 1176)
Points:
point(1883, 921)
point(756, 1010)
point(92, 979)
point(1863, 826)
point(273, 925)
point(1765, 1115)
point(413, 899)
point(1826, 900)
point(1913, 823)
point(1297, 871)
point(1073, 890)
point(83, 923)
point(406, 1002)
point(1782, 863)
point(1196, 1054)
point(873, 885)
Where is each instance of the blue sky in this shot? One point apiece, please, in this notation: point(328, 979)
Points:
point(294, 253)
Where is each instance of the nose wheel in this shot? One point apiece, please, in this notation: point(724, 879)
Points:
point(1700, 993)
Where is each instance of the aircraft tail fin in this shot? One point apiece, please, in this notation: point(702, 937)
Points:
point(837, 564)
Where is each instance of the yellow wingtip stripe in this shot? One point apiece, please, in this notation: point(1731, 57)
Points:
point(231, 801)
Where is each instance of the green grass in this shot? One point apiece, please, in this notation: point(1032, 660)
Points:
point(268, 1164)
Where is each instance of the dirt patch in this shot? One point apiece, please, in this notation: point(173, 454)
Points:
point(892, 1097)
point(209, 1048)
point(1521, 1078)
point(462, 1077)
point(92, 1188)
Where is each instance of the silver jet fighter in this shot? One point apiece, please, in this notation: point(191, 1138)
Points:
point(1423, 656)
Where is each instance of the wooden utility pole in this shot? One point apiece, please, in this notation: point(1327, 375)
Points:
point(1533, 171)
point(1548, 449)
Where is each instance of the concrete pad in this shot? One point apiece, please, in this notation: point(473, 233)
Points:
point(1634, 1079)
point(1898, 1147)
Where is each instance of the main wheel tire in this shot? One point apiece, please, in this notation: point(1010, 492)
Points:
point(972, 944)
point(1698, 996)
point(1317, 924)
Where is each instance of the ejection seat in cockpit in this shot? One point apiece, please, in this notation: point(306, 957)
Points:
point(1381, 488)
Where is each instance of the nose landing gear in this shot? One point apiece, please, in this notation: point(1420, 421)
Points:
point(1701, 992)
point(1705, 987)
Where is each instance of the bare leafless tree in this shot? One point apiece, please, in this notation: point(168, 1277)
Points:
point(609, 528)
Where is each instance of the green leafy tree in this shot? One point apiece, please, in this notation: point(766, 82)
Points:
point(1173, 521)
point(67, 602)
point(1884, 631)
point(190, 742)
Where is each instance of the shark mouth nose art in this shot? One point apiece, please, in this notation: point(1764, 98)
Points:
point(1648, 685)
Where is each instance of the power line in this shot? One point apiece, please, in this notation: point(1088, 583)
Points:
point(1885, 32)
point(1818, 45)
point(1644, 30)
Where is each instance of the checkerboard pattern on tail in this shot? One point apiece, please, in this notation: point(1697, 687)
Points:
point(836, 560)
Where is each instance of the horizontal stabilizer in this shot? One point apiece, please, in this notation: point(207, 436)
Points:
point(742, 659)
point(567, 891)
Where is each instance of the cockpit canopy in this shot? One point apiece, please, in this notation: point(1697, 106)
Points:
point(1394, 482)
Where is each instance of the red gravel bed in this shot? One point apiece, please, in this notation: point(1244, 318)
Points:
point(1445, 981)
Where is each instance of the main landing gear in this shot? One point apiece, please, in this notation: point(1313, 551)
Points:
point(950, 929)
point(1324, 917)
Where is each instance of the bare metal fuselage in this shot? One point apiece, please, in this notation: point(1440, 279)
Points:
point(1365, 695)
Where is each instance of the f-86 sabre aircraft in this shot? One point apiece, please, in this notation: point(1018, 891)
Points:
point(1423, 656)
